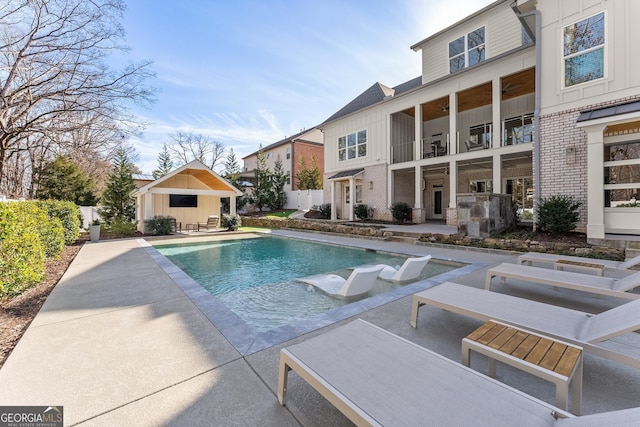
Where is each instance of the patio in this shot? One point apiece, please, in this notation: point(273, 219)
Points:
point(118, 342)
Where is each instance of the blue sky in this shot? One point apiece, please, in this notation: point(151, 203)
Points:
point(247, 72)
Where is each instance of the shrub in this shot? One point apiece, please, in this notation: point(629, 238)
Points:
point(558, 214)
point(361, 211)
point(324, 209)
point(49, 228)
point(122, 227)
point(69, 215)
point(230, 222)
point(160, 225)
point(401, 211)
point(22, 253)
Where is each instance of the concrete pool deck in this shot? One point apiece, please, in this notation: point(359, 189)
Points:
point(119, 342)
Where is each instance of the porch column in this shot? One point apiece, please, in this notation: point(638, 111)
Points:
point(595, 181)
point(334, 206)
point(148, 205)
point(390, 186)
point(232, 204)
point(496, 131)
point(352, 196)
point(417, 145)
point(417, 185)
point(453, 124)
point(453, 184)
point(497, 173)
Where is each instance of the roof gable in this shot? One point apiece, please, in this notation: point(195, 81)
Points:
point(200, 172)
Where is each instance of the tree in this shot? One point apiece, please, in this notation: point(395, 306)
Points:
point(116, 200)
point(188, 146)
point(165, 164)
point(309, 179)
point(278, 197)
point(54, 80)
point(232, 169)
point(61, 179)
point(262, 184)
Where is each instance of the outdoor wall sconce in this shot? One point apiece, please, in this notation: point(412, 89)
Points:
point(570, 155)
point(370, 185)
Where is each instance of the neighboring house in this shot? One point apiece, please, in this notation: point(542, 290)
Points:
point(190, 194)
point(529, 98)
point(306, 144)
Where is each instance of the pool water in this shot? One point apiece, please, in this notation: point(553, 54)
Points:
point(256, 278)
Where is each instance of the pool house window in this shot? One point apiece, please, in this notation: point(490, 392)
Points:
point(467, 50)
point(583, 50)
point(622, 175)
point(352, 146)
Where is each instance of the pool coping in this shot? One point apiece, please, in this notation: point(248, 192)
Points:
point(248, 341)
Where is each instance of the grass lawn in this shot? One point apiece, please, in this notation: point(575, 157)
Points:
point(280, 214)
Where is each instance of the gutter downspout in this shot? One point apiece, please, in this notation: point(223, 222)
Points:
point(536, 112)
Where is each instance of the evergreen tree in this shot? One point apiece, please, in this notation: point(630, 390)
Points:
point(61, 179)
point(165, 164)
point(278, 180)
point(262, 184)
point(232, 169)
point(116, 199)
point(309, 179)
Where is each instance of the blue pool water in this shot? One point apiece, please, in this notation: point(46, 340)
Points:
point(256, 278)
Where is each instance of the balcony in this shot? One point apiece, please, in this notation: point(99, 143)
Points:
point(435, 146)
point(402, 152)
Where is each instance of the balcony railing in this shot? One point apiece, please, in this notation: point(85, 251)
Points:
point(435, 146)
point(517, 130)
point(402, 152)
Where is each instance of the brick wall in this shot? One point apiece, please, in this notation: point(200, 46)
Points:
point(563, 156)
point(308, 151)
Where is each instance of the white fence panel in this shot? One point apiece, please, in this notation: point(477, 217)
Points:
point(303, 199)
point(89, 213)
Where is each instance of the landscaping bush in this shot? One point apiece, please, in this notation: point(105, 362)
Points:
point(22, 253)
point(122, 227)
point(230, 222)
point(558, 214)
point(361, 211)
point(49, 228)
point(325, 210)
point(69, 215)
point(401, 212)
point(160, 225)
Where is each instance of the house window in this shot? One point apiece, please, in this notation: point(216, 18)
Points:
point(288, 153)
point(352, 146)
point(622, 175)
point(359, 193)
point(288, 178)
point(583, 50)
point(518, 130)
point(467, 50)
point(484, 186)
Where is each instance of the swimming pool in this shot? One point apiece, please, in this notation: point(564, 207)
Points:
point(255, 278)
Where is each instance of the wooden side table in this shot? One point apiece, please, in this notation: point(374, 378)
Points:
point(589, 266)
point(546, 358)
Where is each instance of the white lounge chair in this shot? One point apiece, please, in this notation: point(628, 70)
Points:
point(544, 258)
point(410, 270)
point(359, 282)
point(566, 279)
point(583, 329)
point(377, 378)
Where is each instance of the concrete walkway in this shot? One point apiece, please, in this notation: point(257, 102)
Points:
point(119, 342)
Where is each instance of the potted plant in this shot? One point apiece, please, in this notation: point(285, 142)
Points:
point(94, 230)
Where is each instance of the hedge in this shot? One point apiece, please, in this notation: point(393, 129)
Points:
point(22, 252)
point(69, 215)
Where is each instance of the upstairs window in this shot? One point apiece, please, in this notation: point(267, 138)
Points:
point(466, 51)
point(352, 146)
point(288, 153)
point(583, 50)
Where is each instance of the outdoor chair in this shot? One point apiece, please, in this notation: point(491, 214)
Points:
point(583, 329)
point(566, 279)
point(359, 282)
point(211, 224)
point(545, 258)
point(410, 270)
point(377, 378)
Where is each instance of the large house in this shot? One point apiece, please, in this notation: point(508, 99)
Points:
point(307, 145)
point(530, 98)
